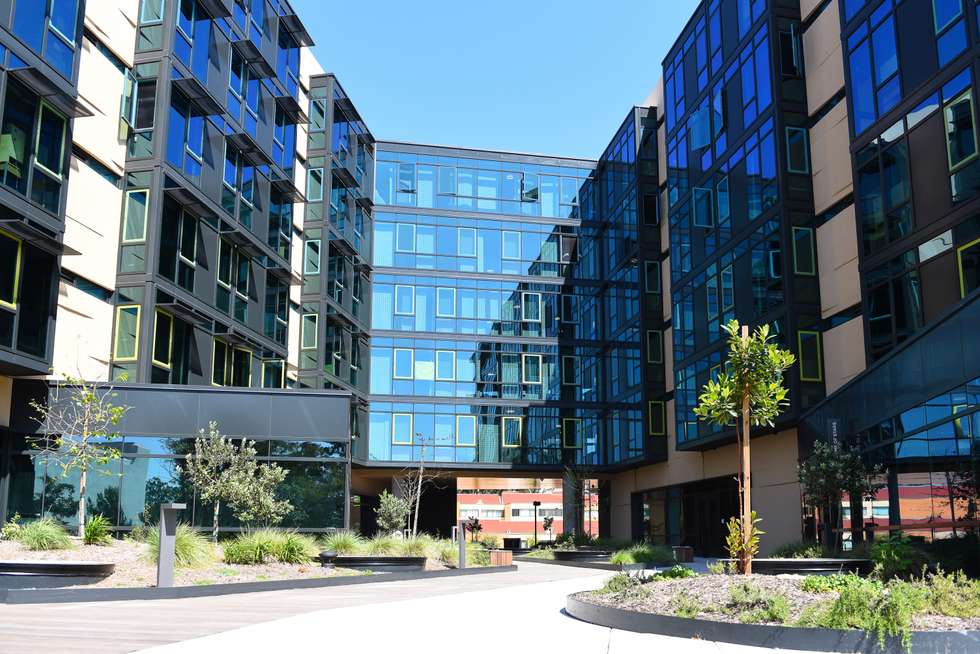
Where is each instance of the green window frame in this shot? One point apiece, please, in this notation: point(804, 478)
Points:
point(804, 257)
point(311, 257)
point(163, 339)
point(10, 274)
point(45, 108)
point(974, 244)
point(506, 437)
point(575, 443)
point(472, 421)
point(951, 119)
point(134, 226)
point(656, 422)
point(806, 338)
point(308, 331)
point(127, 350)
point(399, 439)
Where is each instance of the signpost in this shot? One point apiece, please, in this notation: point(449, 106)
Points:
point(168, 537)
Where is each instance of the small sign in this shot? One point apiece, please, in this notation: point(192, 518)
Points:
point(834, 433)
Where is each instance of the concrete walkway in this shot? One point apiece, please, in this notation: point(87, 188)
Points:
point(513, 611)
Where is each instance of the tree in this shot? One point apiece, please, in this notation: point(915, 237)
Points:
point(546, 524)
point(391, 513)
point(78, 421)
point(750, 392)
point(473, 526)
point(829, 472)
point(415, 481)
point(222, 471)
point(579, 479)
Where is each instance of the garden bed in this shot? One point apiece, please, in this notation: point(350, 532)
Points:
point(136, 569)
point(795, 612)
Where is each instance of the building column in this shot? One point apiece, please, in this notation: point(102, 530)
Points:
point(571, 504)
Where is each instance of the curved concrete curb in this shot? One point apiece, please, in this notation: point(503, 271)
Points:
point(772, 636)
point(61, 595)
point(58, 568)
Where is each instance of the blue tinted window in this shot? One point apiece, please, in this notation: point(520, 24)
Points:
point(886, 56)
point(952, 43)
point(29, 22)
point(945, 12)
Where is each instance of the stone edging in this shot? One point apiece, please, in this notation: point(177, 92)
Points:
point(595, 565)
point(771, 636)
point(61, 595)
point(57, 568)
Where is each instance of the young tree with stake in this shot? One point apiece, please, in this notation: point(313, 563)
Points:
point(750, 392)
point(78, 421)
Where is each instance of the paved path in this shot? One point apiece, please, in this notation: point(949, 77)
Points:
point(514, 611)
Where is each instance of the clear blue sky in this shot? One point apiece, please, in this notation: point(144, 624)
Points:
point(543, 76)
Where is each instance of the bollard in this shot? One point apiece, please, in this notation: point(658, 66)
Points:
point(461, 530)
point(168, 535)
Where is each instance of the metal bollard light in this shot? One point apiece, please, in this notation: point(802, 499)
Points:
point(462, 544)
point(168, 537)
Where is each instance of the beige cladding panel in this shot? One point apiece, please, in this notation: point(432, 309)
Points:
point(843, 353)
point(82, 335)
point(100, 87)
point(296, 262)
point(824, 58)
point(837, 260)
point(92, 213)
point(662, 153)
point(807, 7)
point(292, 358)
point(308, 67)
point(830, 159)
point(114, 23)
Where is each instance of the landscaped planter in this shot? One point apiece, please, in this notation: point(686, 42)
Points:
point(373, 563)
point(808, 566)
point(771, 636)
point(581, 555)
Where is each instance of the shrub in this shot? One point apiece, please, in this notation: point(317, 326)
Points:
point(43, 534)
point(676, 572)
point(139, 534)
point(381, 545)
point(716, 568)
point(10, 528)
point(447, 553)
point(643, 553)
point(191, 549)
point(620, 582)
point(477, 556)
point(684, 605)
point(751, 604)
point(392, 512)
point(835, 583)
point(897, 557)
point(954, 595)
point(97, 531)
point(799, 550)
point(263, 545)
point(343, 542)
point(415, 546)
point(491, 541)
point(542, 553)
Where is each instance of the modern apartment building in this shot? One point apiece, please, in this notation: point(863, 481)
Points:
point(802, 163)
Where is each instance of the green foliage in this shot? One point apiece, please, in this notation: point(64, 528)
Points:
point(139, 534)
point(684, 605)
point(675, 572)
point(836, 583)
point(897, 557)
point(735, 541)
point(263, 545)
point(10, 528)
point(343, 542)
point(477, 556)
point(446, 552)
point(415, 546)
point(223, 471)
point(491, 541)
point(751, 604)
point(381, 545)
point(473, 526)
point(547, 523)
point(643, 553)
point(191, 548)
point(392, 512)
point(954, 595)
point(755, 369)
point(97, 531)
point(542, 553)
point(43, 534)
point(799, 550)
point(716, 568)
point(620, 582)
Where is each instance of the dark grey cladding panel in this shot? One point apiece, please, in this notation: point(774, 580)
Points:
point(161, 410)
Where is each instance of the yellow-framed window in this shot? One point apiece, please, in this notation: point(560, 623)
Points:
point(220, 355)
point(273, 373)
point(655, 346)
point(11, 253)
point(241, 367)
point(811, 356)
point(571, 433)
point(655, 418)
point(402, 428)
point(466, 431)
point(163, 339)
point(968, 264)
point(511, 431)
point(126, 340)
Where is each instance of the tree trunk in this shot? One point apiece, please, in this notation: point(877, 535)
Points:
point(214, 521)
point(746, 477)
point(82, 483)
